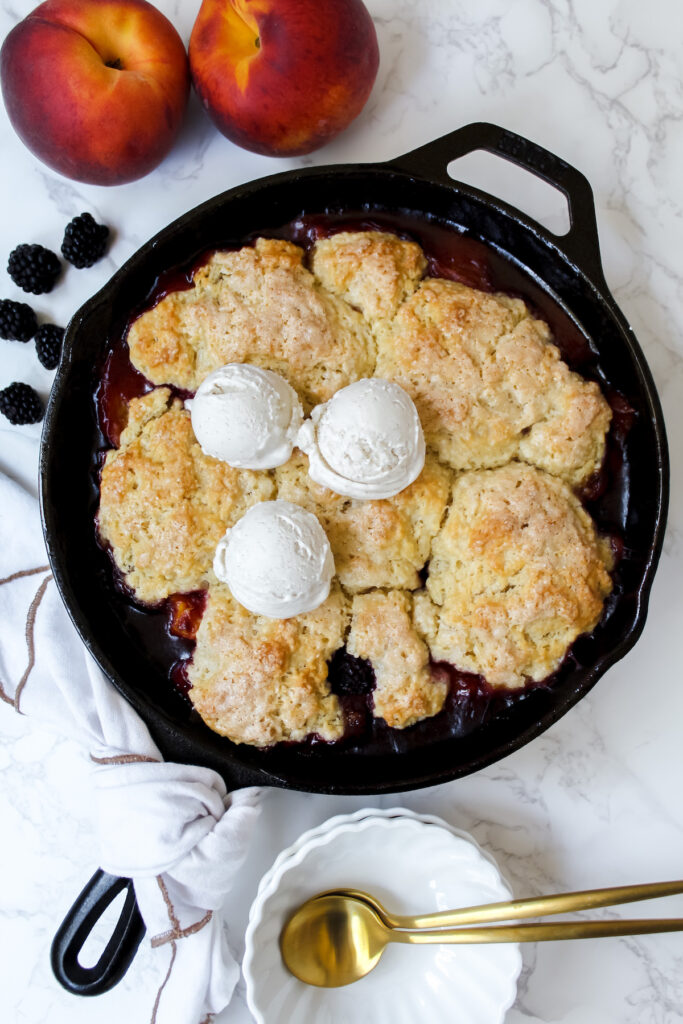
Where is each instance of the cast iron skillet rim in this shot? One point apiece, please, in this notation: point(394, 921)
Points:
point(598, 287)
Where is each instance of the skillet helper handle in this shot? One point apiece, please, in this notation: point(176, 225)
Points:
point(120, 950)
point(581, 242)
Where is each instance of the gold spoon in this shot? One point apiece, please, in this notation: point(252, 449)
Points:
point(512, 910)
point(336, 938)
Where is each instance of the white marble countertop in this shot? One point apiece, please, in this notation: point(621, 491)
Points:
point(597, 799)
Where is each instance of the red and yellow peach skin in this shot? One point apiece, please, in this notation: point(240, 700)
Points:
point(283, 77)
point(96, 88)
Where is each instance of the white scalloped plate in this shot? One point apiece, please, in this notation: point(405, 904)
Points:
point(412, 864)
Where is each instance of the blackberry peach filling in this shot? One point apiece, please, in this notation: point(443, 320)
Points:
point(473, 581)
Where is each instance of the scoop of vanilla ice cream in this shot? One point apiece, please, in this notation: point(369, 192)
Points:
point(276, 560)
point(366, 442)
point(246, 416)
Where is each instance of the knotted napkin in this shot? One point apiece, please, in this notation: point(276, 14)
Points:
point(173, 828)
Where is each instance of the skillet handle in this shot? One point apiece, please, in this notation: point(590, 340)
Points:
point(119, 952)
point(581, 242)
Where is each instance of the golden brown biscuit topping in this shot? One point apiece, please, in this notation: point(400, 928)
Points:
point(164, 505)
point(260, 680)
point(489, 385)
point(371, 270)
point(516, 574)
point(515, 569)
point(257, 305)
point(382, 631)
point(381, 543)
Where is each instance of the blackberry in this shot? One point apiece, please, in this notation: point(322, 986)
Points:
point(84, 241)
point(49, 339)
point(21, 404)
point(349, 675)
point(34, 268)
point(17, 320)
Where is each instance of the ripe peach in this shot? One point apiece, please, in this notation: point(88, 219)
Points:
point(282, 77)
point(95, 88)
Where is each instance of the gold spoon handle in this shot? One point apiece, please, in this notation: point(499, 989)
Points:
point(538, 906)
point(538, 932)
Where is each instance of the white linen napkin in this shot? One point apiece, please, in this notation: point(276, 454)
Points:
point(173, 828)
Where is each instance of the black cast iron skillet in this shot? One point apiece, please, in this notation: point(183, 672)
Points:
point(567, 268)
